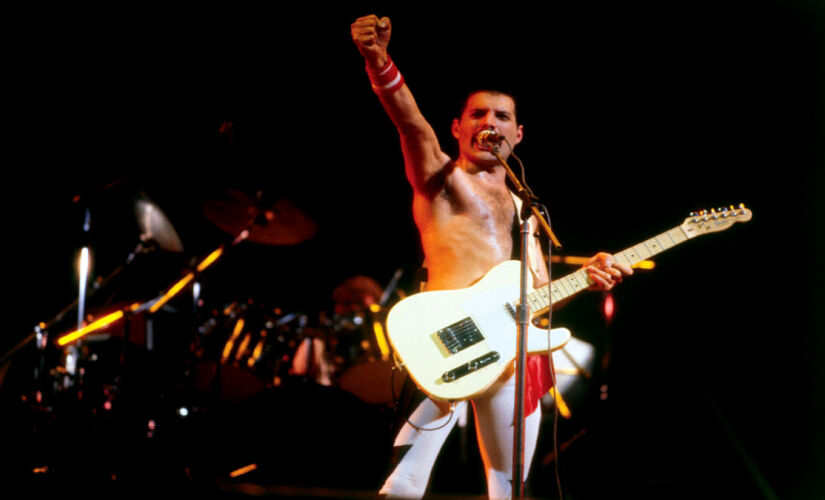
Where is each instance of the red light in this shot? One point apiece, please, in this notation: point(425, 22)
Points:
point(608, 307)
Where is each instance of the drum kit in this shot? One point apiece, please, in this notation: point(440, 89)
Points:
point(144, 377)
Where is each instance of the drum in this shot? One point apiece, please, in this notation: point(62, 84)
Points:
point(374, 381)
point(244, 348)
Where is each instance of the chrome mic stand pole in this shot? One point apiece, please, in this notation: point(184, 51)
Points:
point(529, 207)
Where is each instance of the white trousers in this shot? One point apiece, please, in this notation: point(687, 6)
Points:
point(494, 428)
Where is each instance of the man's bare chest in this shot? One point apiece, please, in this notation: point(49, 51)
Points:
point(479, 202)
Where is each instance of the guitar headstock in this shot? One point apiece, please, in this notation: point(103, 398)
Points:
point(711, 221)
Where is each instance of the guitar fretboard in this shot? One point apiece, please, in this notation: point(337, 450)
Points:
point(562, 288)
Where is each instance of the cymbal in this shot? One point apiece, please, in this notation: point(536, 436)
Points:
point(155, 226)
point(277, 223)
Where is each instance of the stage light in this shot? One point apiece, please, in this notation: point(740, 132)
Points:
point(177, 287)
point(242, 347)
point(243, 470)
point(381, 339)
point(212, 257)
point(608, 307)
point(564, 410)
point(83, 275)
point(227, 348)
point(256, 353)
point(102, 322)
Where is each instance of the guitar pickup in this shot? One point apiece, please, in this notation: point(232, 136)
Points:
point(470, 367)
point(460, 335)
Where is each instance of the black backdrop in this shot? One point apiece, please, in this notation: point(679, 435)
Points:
point(634, 115)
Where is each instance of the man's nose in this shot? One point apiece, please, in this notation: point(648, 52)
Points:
point(489, 120)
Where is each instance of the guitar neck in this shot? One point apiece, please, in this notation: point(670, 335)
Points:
point(562, 288)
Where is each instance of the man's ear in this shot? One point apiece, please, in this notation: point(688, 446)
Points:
point(455, 128)
point(520, 134)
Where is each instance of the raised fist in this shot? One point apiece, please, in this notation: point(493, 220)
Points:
point(372, 35)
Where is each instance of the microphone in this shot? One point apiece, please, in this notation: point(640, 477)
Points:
point(489, 136)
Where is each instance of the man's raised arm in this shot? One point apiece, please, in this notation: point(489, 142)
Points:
point(422, 154)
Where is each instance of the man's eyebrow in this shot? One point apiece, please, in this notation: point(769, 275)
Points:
point(485, 109)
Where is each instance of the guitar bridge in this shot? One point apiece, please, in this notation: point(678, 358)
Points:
point(470, 367)
point(460, 335)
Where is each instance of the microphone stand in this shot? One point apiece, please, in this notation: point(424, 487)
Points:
point(529, 207)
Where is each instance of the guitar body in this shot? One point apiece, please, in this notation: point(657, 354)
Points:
point(456, 343)
point(413, 327)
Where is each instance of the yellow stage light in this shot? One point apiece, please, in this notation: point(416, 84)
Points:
point(562, 406)
point(177, 287)
point(102, 322)
point(212, 257)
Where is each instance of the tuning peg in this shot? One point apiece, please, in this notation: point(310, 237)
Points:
point(713, 214)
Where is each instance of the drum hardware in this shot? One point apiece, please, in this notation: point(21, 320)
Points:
point(244, 348)
point(59, 371)
point(361, 356)
point(244, 338)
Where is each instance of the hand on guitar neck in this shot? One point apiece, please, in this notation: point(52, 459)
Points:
point(604, 272)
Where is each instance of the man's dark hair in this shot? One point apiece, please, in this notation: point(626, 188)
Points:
point(493, 91)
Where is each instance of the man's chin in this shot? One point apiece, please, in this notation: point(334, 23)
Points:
point(480, 156)
point(486, 154)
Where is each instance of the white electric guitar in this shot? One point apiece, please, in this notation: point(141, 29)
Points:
point(456, 343)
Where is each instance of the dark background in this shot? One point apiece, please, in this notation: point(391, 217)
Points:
point(634, 116)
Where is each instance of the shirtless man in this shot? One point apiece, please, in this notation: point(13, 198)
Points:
point(464, 213)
